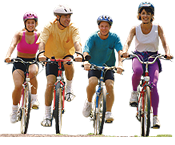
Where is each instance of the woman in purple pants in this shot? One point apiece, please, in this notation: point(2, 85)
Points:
point(146, 44)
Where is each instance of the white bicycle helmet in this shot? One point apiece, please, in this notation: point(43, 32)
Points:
point(62, 10)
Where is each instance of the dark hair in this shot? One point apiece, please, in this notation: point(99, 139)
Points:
point(148, 10)
point(104, 21)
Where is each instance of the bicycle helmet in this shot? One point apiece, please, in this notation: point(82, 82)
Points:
point(104, 18)
point(30, 16)
point(62, 10)
point(146, 5)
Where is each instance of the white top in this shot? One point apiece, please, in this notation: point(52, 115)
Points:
point(147, 42)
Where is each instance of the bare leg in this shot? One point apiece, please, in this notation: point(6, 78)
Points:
point(18, 77)
point(93, 81)
point(110, 94)
point(49, 89)
point(33, 71)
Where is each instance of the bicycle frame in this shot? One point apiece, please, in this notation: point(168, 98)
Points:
point(143, 88)
point(100, 86)
point(60, 79)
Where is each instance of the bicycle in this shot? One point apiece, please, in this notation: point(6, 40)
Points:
point(25, 102)
point(144, 106)
point(99, 105)
point(59, 91)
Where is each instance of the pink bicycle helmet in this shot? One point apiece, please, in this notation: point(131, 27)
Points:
point(30, 15)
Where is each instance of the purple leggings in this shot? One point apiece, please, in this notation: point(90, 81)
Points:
point(154, 74)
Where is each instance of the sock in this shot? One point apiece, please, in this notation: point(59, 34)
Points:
point(68, 86)
point(48, 112)
point(14, 108)
point(34, 96)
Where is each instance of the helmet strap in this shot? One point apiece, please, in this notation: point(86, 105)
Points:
point(60, 22)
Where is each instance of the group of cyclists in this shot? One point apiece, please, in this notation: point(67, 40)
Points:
point(60, 38)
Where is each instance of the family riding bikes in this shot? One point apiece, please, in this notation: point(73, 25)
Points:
point(60, 39)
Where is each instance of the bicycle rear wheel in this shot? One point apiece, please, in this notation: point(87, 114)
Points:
point(145, 119)
point(100, 113)
point(25, 108)
point(58, 108)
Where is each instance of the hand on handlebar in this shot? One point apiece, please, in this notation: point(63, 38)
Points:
point(168, 56)
point(125, 55)
point(42, 58)
point(87, 65)
point(78, 58)
point(119, 70)
point(7, 59)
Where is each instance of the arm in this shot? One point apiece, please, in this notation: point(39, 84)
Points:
point(86, 51)
point(78, 48)
point(13, 44)
point(120, 63)
point(128, 42)
point(42, 40)
point(164, 43)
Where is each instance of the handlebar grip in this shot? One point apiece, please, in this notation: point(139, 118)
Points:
point(166, 57)
point(87, 57)
point(39, 54)
point(53, 57)
point(79, 54)
point(127, 56)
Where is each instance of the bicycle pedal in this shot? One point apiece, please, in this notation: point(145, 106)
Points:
point(108, 121)
point(35, 107)
point(133, 104)
point(155, 128)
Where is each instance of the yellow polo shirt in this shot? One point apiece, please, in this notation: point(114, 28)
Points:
point(59, 43)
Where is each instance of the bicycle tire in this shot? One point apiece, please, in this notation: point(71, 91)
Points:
point(25, 109)
point(58, 108)
point(145, 119)
point(100, 113)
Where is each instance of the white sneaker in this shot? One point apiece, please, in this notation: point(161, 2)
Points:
point(156, 123)
point(109, 117)
point(87, 108)
point(46, 122)
point(13, 117)
point(133, 100)
point(69, 94)
point(35, 104)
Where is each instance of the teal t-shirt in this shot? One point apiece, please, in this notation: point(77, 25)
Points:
point(102, 51)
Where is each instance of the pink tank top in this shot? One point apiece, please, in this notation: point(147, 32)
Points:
point(24, 47)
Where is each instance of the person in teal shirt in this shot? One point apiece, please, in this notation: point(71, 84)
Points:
point(101, 47)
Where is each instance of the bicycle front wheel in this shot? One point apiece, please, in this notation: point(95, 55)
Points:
point(145, 119)
point(100, 113)
point(58, 108)
point(25, 108)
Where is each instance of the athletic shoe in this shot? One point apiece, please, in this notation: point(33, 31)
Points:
point(87, 108)
point(108, 117)
point(35, 104)
point(13, 117)
point(46, 122)
point(133, 100)
point(69, 94)
point(156, 123)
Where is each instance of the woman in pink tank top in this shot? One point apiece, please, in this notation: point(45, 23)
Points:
point(25, 41)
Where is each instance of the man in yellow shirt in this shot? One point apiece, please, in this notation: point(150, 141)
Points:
point(61, 39)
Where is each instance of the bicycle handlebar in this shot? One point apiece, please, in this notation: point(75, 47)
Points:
point(131, 56)
point(101, 68)
point(13, 60)
point(69, 61)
